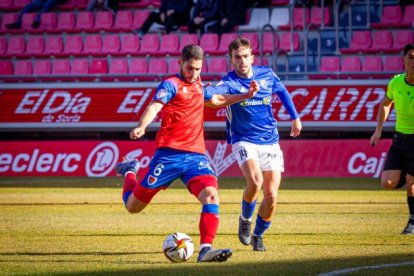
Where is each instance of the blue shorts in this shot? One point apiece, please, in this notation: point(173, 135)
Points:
point(168, 165)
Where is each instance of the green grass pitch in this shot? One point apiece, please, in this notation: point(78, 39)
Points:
point(79, 226)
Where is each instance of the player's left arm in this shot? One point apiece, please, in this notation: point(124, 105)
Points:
point(221, 100)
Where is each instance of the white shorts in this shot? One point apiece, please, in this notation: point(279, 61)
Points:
point(269, 157)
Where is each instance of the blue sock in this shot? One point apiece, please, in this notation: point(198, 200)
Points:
point(261, 226)
point(248, 209)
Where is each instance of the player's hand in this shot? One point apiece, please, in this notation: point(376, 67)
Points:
point(296, 128)
point(253, 88)
point(375, 138)
point(136, 133)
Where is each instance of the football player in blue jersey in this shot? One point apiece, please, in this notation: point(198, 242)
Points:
point(252, 132)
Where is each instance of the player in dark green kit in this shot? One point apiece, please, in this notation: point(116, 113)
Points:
point(399, 165)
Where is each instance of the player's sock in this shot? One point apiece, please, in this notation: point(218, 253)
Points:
point(130, 181)
point(209, 222)
point(248, 209)
point(410, 201)
point(261, 226)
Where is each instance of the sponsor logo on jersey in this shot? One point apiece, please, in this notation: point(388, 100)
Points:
point(252, 102)
point(151, 180)
point(161, 94)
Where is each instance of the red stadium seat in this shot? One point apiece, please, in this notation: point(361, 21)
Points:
point(157, 68)
point(61, 67)
point(118, 71)
point(216, 68)
point(391, 16)
point(48, 22)
point(209, 42)
point(93, 45)
point(7, 18)
point(169, 45)
point(73, 45)
point(351, 67)
point(27, 20)
point(6, 67)
point(286, 42)
point(401, 38)
point(139, 17)
point(66, 22)
point(225, 40)
point(79, 66)
point(16, 46)
point(42, 67)
point(53, 45)
point(98, 66)
point(23, 69)
point(361, 40)
point(372, 64)
point(330, 66)
point(270, 42)
point(103, 21)
point(6, 5)
point(393, 64)
point(381, 42)
point(301, 18)
point(173, 66)
point(3, 46)
point(408, 17)
point(138, 68)
point(84, 21)
point(20, 3)
point(320, 17)
point(111, 44)
point(123, 21)
point(35, 46)
point(130, 44)
point(187, 39)
point(150, 44)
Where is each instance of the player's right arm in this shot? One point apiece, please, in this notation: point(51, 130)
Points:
point(149, 114)
point(383, 112)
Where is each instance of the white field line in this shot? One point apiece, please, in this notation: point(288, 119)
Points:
point(349, 270)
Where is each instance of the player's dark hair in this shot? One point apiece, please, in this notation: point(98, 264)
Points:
point(407, 48)
point(239, 42)
point(192, 51)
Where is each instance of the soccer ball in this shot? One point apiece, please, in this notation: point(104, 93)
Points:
point(178, 247)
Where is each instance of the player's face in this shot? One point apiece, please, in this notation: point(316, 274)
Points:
point(242, 60)
point(191, 69)
point(409, 62)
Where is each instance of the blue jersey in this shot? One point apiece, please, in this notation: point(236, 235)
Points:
point(252, 120)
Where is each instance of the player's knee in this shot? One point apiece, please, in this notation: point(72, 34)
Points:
point(388, 184)
point(209, 195)
point(410, 184)
point(270, 199)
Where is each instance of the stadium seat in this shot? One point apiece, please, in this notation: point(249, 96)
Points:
point(257, 19)
point(7, 18)
point(187, 39)
point(216, 68)
point(296, 67)
point(330, 67)
point(351, 67)
point(150, 44)
point(270, 42)
point(61, 67)
point(301, 18)
point(118, 71)
point(254, 41)
point(359, 15)
point(408, 17)
point(279, 17)
point(42, 68)
point(3, 46)
point(20, 3)
point(169, 45)
point(111, 44)
point(6, 5)
point(173, 66)
point(225, 40)
point(286, 41)
point(138, 67)
point(393, 64)
point(93, 45)
point(129, 44)
point(361, 40)
point(381, 41)
point(23, 69)
point(66, 22)
point(84, 21)
point(16, 46)
point(48, 22)
point(372, 64)
point(73, 45)
point(401, 38)
point(320, 17)
point(6, 67)
point(123, 21)
point(53, 45)
point(157, 68)
point(209, 42)
point(103, 21)
point(139, 17)
point(79, 70)
point(27, 20)
point(98, 66)
point(391, 17)
point(35, 46)
point(328, 42)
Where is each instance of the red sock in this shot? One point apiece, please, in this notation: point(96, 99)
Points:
point(130, 181)
point(208, 227)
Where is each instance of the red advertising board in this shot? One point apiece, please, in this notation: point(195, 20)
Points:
point(303, 158)
point(50, 106)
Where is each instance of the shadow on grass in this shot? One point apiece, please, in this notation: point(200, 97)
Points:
point(225, 183)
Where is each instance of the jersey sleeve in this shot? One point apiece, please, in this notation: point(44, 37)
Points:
point(284, 96)
point(165, 92)
point(390, 89)
point(220, 88)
